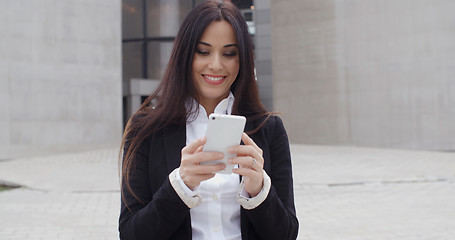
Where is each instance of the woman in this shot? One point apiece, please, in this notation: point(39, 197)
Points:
point(166, 193)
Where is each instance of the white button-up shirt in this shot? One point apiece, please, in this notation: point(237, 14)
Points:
point(215, 203)
point(218, 214)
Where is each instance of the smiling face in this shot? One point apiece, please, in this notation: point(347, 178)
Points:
point(215, 64)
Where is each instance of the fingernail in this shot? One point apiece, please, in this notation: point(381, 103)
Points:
point(220, 155)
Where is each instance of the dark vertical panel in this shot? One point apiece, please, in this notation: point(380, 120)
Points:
point(164, 17)
point(158, 57)
point(132, 19)
point(132, 60)
point(242, 4)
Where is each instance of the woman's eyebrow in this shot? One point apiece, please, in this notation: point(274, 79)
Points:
point(231, 45)
point(227, 45)
point(204, 43)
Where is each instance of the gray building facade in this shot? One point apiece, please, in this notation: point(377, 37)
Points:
point(366, 73)
point(60, 74)
point(349, 72)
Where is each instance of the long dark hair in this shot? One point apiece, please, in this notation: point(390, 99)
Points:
point(166, 105)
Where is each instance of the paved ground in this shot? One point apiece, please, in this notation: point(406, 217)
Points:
point(341, 193)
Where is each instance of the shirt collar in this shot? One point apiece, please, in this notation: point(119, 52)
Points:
point(224, 107)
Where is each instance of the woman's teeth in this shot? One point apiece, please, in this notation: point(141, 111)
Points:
point(213, 78)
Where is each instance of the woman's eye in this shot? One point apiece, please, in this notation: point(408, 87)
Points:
point(230, 54)
point(202, 52)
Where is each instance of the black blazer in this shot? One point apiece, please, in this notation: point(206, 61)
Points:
point(161, 214)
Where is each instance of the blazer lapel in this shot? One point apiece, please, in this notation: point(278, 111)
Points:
point(249, 126)
point(174, 141)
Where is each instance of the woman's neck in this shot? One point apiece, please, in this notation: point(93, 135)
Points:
point(209, 107)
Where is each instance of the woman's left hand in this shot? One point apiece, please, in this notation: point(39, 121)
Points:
point(250, 161)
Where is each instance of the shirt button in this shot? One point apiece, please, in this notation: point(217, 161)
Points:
point(215, 197)
point(215, 229)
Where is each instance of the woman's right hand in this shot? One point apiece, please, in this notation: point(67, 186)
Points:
point(191, 172)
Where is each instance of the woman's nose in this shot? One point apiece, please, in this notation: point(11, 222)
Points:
point(215, 63)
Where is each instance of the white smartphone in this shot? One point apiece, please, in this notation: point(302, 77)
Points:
point(223, 131)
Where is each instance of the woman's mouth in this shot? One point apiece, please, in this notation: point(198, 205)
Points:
point(213, 79)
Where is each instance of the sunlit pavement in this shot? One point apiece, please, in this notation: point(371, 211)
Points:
point(340, 193)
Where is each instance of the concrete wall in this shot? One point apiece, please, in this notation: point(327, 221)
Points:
point(263, 51)
point(366, 73)
point(60, 72)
